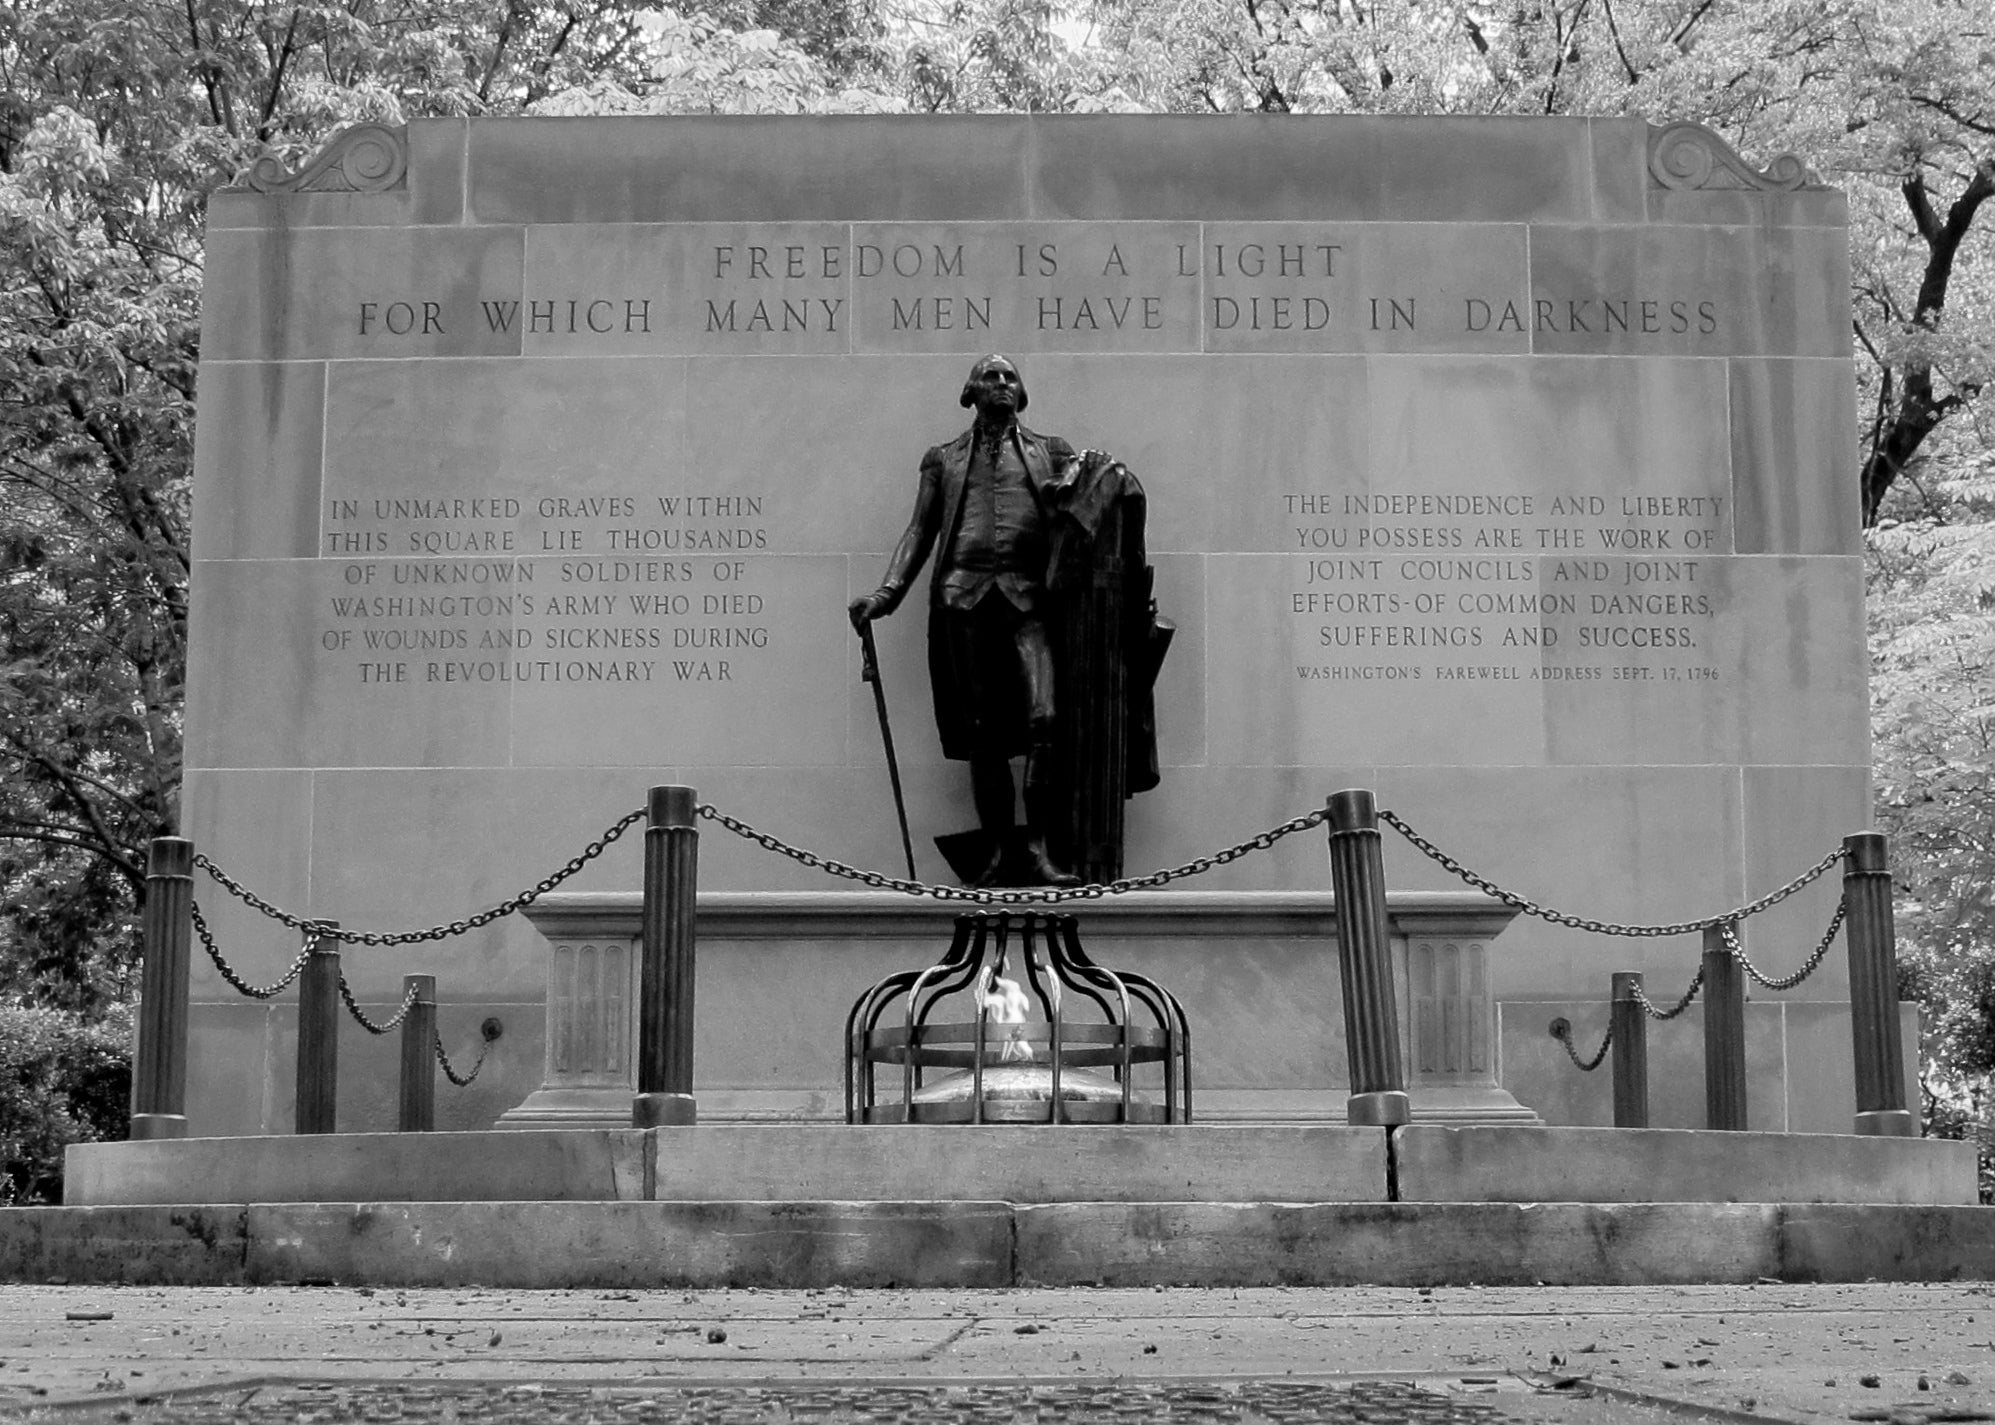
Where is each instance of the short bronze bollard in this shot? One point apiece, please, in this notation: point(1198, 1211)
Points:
point(665, 986)
point(1724, 1031)
point(1628, 1022)
point(159, 1068)
point(318, 1034)
point(418, 1086)
point(1371, 1019)
point(1873, 949)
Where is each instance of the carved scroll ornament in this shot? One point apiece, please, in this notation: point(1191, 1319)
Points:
point(367, 158)
point(1689, 156)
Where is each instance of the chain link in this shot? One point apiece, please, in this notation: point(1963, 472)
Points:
point(462, 1081)
point(312, 936)
point(435, 932)
point(1050, 895)
point(1808, 966)
point(353, 1008)
point(1562, 1031)
point(1642, 999)
point(1606, 927)
point(228, 973)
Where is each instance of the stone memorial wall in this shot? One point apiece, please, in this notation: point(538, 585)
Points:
point(1502, 466)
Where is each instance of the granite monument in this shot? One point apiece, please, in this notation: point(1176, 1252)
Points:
point(1502, 466)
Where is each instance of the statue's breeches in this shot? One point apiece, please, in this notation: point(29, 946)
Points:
point(991, 670)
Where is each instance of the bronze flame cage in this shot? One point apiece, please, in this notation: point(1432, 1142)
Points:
point(1017, 1072)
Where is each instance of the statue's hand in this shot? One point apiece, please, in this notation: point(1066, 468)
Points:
point(867, 607)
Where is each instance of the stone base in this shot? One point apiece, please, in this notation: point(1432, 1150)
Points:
point(1164, 1163)
point(1276, 1056)
point(627, 1245)
point(570, 1108)
point(1454, 1107)
point(1209, 1205)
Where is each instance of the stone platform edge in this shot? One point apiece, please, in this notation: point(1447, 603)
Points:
point(1189, 1164)
point(532, 1245)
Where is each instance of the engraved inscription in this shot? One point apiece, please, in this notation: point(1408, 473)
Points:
point(1431, 587)
point(836, 288)
point(623, 589)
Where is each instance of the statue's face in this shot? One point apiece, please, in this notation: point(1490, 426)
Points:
point(996, 387)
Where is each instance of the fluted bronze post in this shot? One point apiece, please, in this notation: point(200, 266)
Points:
point(317, 1108)
point(1873, 945)
point(1724, 1033)
point(418, 1096)
point(1629, 1025)
point(1364, 963)
point(159, 1068)
point(665, 1014)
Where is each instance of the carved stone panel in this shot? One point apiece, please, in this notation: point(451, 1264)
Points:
point(591, 1033)
point(589, 1013)
point(1450, 1011)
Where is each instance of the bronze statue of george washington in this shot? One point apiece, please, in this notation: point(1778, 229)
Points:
point(1019, 524)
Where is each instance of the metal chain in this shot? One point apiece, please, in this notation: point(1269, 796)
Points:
point(237, 981)
point(1606, 927)
point(1808, 966)
point(1562, 1031)
point(1050, 895)
point(352, 1008)
point(462, 1081)
point(435, 932)
point(1642, 999)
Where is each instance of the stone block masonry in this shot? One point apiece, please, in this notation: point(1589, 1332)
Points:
point(1491, 465)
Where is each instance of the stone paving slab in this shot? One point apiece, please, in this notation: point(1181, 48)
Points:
point(1401, 1244)
point(1495, 1163)
point(1283, 1402)
point(1762, 1351)
point(645, 1244)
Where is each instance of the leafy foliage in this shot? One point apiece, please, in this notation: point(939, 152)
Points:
point(1932, 579)
point(63, 1080)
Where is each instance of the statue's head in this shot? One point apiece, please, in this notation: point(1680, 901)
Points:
point(994, 381)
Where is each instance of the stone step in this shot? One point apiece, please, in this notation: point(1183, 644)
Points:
point(1188, 1163)
point(962, 1243)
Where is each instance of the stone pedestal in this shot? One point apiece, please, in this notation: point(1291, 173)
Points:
point(1257, 972)
point(1448, 1018)
point(591, 1033)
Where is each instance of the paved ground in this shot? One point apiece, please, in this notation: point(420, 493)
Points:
point(328, 1354)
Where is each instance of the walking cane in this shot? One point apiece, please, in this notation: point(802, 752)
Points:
point(869, 672)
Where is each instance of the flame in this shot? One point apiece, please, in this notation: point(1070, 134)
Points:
point(1006, 1004)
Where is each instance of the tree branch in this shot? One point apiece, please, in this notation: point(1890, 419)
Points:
point(499, 44)
point(1614, 30)
point(207, 66)
point(70, 774)
point(277, 79)
point(1476, 36)
point(130, 867)
point(1946, 107)
point(1681, 35)
point(1920, 409)
point(1944, 239)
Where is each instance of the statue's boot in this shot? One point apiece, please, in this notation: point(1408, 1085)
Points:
point(1040, 810)
point(1044, 867)
point(993, 872)
point(991, 785)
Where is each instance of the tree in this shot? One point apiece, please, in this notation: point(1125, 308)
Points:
point(97, 369)
point(1932, 585)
